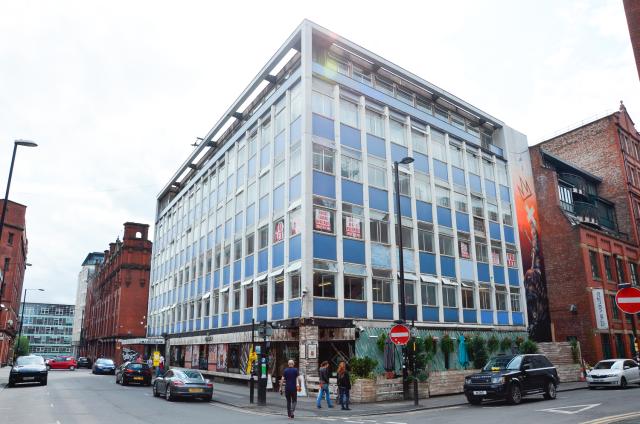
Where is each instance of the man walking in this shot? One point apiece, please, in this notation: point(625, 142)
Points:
point(324, 385)
point(291, 382)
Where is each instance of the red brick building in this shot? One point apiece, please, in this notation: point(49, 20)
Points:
point(117, 295)
point(13, 262)
point(588, 186)
point(632, 10)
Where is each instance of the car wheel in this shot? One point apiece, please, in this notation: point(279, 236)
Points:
point(72, 368)
point(208, 398)
point(11, 383)
point(123, 381)
point(514, 396)
point(592, 387)
point(155, 391)
point(48, 368)
point(43, 382)
point(550, 391)
point(623, 383)
point(167, 394)
point(474, 400)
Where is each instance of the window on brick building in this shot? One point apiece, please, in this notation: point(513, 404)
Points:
point(10, 239)
point(633, 273)
point(607, 267)
point(620, 269)
point(595, 268)
point(615, 313)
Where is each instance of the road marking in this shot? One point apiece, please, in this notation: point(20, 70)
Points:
point(570, 410)
point(393, 422)
point(355, 422)
point(612, 418)
point(321, 418)
point(52, 405)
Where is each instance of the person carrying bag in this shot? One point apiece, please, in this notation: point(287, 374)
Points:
point(344, 386)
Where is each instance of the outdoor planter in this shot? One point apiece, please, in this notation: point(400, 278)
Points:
point(363, 390)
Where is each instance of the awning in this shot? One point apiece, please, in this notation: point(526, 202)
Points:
point(247, 282)
point(429, 278)
point(277, 272)
point(294, 266)
point(206, 295)
point(261, 278)
point(467, 283)
point(143, 341)
point(409, 276)
point(449, 282)
point(224, 289)
point(351, 269)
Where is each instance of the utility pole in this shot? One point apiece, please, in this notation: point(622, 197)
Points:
point(253, 367)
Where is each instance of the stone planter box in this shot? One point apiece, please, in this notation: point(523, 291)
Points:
point(448, 382)
point(363, 390)
point(382, 389)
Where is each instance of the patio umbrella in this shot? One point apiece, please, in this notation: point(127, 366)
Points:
point(463, 356)
point(389, 355)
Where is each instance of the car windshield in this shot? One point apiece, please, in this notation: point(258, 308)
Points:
point(190, 375)
point(30, 360)
point(104, 362)
point(137, 366)
point(505, 362)
point(607, 365)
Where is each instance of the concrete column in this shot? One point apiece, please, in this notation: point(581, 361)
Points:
point(308, 336)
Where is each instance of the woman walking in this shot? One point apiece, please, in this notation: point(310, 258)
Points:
point(323, 375)
point(344, 386)
point(290, 381)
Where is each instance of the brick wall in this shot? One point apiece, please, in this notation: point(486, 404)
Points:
point(560, 355)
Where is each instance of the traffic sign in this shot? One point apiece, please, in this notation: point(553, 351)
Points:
point(628, 300)
point(399, 334)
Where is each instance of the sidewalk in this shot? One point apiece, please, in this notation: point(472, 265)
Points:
point(238, 395)
point(4, 376)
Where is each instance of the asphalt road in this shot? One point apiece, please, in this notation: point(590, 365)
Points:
point(80, 397)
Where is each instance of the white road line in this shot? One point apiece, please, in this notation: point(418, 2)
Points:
point(393, 422)
point(327, 419)
point(355, 422)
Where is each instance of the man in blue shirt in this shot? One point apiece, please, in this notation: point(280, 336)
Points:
point(291, 383)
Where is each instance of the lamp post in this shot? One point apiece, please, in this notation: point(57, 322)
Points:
point(24, 300)
point(403, 303)
point(16, 143)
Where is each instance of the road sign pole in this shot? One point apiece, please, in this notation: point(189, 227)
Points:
point(628, 301)
point(253, 368)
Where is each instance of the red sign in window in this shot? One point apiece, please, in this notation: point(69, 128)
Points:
point(323, 221)
point(352, 227)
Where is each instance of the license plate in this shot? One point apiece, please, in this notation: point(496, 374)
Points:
point(138, 378)
point(28, 378)
point(195, 390)
point(479, 392)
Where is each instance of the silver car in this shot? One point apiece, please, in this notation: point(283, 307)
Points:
point(614, 372)
point(183, 383)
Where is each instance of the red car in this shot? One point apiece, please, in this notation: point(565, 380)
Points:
point(62, 363)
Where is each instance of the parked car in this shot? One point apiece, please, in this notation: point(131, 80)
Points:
point(84, 362)
point(104, 366)
point(511, 377)
point(133, 372)
point(614, 372)
point(28, 369)
point(183, 384)
point(62, 363)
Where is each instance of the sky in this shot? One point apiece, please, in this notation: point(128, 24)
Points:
point(115, 92)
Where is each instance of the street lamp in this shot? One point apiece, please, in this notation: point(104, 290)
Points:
point(16, 143)
point(24, 301)
point(403, 303)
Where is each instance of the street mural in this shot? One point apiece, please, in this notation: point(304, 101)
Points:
point(129, 355)
point(531, 251)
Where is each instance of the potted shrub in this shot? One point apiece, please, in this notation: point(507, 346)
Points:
point(505, 344)
point(528, 346)
point(493, 344)
point(364, 389)
point(480, 356)
point(446, 346)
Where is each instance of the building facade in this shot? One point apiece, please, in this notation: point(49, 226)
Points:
point(588, 185)
point(285, 213)
point(48, 327)
point(89, 266)
point(13, 263)
point(117, 295)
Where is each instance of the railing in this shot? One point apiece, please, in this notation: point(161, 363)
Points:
point(586, 212)
point(579, 184)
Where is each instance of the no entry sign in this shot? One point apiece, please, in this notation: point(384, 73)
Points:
point(628, 300)
point(399, 334)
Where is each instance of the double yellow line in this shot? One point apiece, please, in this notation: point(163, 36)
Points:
point(613, 418)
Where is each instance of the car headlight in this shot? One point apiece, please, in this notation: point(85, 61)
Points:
point(467, 381)
point(497, 379)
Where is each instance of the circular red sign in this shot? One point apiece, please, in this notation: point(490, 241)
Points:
point(399, 334)
point(628, 300)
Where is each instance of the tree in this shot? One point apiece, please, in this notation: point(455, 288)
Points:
point(22, 346)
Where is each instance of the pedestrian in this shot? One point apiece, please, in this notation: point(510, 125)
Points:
point(150, 363)
point(290, 381)
point(323, 389)
point(344, 386)
point(160, 369)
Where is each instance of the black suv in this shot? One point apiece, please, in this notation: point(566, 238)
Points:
point(511, 377)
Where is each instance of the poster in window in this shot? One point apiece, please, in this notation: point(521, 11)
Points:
point(187, 356)
point(278, 231)
point(511, 260)
point(352, 227)
point(213, 357)
point(195, 357)
point(464, 250)
point(294, 222)
point(312, 351)
point(222, 358)
point(495, 257)
point(323, 221)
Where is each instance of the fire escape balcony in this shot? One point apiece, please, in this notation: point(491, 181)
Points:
point(579, 184)
point(586, 213)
